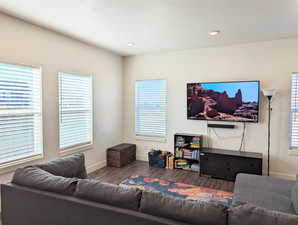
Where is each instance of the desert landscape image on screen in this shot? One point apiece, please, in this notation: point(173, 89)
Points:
point(226, 101)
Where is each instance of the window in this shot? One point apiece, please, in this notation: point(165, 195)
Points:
point(150, 108)
point(294, 112)
point(20, 113)
point(75, 110)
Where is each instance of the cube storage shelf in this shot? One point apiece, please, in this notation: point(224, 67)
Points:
point(187, 151)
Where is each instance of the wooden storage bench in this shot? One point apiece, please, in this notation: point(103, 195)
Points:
point(121, 155)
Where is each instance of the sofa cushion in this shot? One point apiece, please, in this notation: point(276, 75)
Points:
point(37, 178)
point(70, 166)
point(194, 212)
point(294, 196)
point(267, 192)
point(111, 194)
point(265, 183)
point(248, 214)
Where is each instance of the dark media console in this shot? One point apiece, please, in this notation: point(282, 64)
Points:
point(226, 164)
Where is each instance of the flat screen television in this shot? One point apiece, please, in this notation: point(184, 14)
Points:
point(224, 101)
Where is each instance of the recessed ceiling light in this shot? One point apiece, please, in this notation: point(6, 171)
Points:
point(214, 32)
point(131, 44)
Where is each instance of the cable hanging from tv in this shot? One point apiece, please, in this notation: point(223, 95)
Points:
point(212, 128)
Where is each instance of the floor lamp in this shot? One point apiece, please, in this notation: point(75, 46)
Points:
point(269, 93)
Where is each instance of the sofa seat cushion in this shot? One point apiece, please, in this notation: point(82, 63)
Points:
point(110, 194)
point(267, 192)
point(248, 214)
point(37, 178)
point(70, 166)
point(294, 195)
point(193, 212)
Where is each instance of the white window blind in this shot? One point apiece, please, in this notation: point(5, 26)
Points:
point(151, 108)
point(75, 110)
point(20, 112)
point(294, 112)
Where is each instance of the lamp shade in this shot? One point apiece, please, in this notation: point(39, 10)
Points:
point(269, 92)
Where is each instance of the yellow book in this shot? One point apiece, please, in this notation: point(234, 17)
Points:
point(171, 161)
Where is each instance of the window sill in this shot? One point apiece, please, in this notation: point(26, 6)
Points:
point(10, 166)
point(151, 138)
point(76, 149)
point(293, 152)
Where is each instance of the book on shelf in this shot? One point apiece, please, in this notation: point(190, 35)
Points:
point(187, 154)
point(181, 162)
point(190, 167)
point(181, 165)
point(186, 167)
point(170, 161)
point(195, 167)
point(187, 151)
point(179, 153)
point(180, 142)
point(196, 142)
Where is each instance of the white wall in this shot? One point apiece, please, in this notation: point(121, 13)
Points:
point(270, 62)
point(23, 43)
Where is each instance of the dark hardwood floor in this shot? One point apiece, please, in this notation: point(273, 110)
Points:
point(116, 175)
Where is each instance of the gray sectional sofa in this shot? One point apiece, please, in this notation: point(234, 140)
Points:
point(267, 192)
point(264, 200)
point(59, 193)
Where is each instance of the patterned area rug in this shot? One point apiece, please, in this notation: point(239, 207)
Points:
point(180, 190)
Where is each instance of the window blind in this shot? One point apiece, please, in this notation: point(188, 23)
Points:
point(151, 108)
point(20, 112)
point(75, 110)
point(294, 112)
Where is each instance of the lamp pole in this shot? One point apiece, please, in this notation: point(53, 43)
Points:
point(269, 93)
point(269, 126)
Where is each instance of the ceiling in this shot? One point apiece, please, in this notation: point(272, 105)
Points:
point(161, 25)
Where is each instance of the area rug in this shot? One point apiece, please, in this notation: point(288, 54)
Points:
point(180, 190)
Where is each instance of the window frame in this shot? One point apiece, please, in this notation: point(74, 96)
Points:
point(154, 138)
point(37, 156)
point(81, 147)
point(292, 149)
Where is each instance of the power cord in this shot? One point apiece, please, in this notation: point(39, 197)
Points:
point(242, 138)
point(208, 135)
point(242, 143)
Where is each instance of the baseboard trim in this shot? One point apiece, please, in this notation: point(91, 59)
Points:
point(142, 157)
point(96, 166)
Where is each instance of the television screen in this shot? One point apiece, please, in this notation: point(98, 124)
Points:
point(225, 101)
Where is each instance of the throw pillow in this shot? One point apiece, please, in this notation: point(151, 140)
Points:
point(37, 178)
point(70, 166)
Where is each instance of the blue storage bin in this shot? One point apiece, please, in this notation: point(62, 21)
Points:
point(156, 159)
